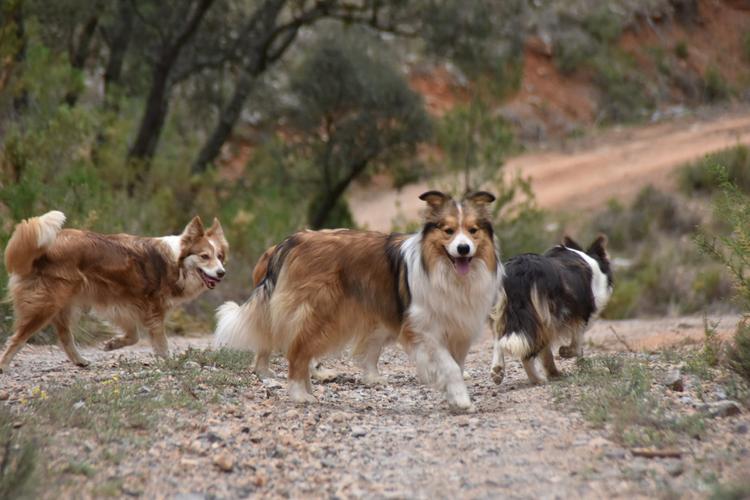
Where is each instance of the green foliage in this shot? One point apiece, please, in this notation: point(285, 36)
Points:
point(739, 490)
point(700, 176)
point(715, 86)
point(739, 352)
point(18, 459)
point(616, 392)
point(681, 50)
point(604, 25)
point(475, 143)
point(624, 95)
point(354, 111)
point(665, 273)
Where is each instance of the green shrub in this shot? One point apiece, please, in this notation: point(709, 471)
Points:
point(739, 352)
point(18, 460)
point(681, 49)
point(715, 86)
point(700, 176)
point(624, 94)
point(573, 49)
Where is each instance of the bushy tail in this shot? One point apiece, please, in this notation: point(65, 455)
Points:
point(244, 327)
point(522, 322)
point(29, 241)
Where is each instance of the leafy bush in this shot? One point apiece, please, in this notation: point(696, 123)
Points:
point(681, 49)
point(733, 251)
point(18, 460)
point(624, 96)
point(700, 176)
point(715, 86)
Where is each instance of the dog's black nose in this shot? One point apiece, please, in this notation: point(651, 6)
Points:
point(220, 274)
point(463, 249)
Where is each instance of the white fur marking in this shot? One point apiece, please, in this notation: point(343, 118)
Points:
point(48, 226)
point(599, 282)
point(174, 244)
point(515, 344)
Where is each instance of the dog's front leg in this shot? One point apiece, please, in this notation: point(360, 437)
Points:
point(436, 366)
point(155, 326)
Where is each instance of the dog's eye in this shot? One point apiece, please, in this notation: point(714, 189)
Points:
point(448, 231)
point(205, 256)
point(221, 257)
point(473, 230)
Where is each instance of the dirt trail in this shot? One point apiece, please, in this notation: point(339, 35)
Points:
point(396, 440)
point(615, 164)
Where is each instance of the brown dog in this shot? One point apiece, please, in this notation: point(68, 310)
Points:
point(129, 280)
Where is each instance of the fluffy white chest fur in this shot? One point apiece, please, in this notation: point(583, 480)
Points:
point(444, 303)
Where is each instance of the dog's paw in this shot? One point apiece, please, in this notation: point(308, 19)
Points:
point(568, 352)
point(372, 379)
point(498, 374)
point(460, 409)
point(82, 362)
point(113, 344)
point(324, 374)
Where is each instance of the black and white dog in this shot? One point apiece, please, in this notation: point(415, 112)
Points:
point(548, 297)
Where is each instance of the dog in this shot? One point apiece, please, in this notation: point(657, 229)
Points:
point(130, 281)
point(546, 298)
point(320, 290)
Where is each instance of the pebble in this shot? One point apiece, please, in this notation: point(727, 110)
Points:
point(4, 395)
point(722, 409)
point(673, 380)
point(192, 365)
point(616, 454)
point(741, 429)
point(224, 461)
point(358, 431)
point(675, 468)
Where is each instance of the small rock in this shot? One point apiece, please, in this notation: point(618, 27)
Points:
point(78, 405)
point(144, 389)
point(616, 454)
point(599, 442)
point(741, 429)
point(687, 400)
point(720, 394)
point(722, 409)
point(192, 365)
point(4, 395)
point(272, 383)
point(675, 469)
point(224, 461)
point(358, 431)
point(189, 496)
point(673, 380)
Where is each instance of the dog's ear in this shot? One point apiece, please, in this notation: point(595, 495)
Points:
point(215, 233)
point(571, 243)
point(480, 198)
point(598, 247)
point(193, 231)
point(435, 199)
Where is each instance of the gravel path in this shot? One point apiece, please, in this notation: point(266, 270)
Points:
point(396, 440)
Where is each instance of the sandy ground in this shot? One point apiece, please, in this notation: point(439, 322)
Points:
point(396, 440)
point(590, 171)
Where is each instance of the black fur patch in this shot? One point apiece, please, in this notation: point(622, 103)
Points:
point(276, 263)
point(400, 273)
point(562, 279)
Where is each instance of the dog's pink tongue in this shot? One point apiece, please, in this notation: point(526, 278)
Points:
point(462, 266)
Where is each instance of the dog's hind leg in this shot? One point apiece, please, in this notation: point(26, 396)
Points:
point(27, 324)
point(529, 364)
point(575, 349)
point(548, 360)
point(129, 335)
point(498, 362)
point(368, 352)
point(61, 323)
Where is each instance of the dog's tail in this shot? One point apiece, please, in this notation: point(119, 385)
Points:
point(30, 240)
point(245, 327)
point(523, 320)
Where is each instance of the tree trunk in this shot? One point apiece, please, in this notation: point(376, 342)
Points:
point(319, 217)
point(157, 104)
point(79, 53)
point(228, 118)
point(21, 101)
point(118, 47)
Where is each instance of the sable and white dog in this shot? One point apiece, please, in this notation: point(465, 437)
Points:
point(546, 298)
point(431, 291)
point(129, 280)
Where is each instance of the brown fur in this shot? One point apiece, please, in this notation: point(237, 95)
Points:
point(133, 281)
